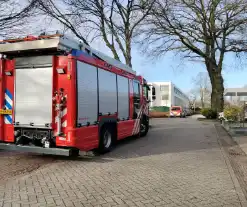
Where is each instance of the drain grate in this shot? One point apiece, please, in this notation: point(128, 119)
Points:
point(234, 152)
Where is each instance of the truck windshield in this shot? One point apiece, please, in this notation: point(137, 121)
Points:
point(145, 91)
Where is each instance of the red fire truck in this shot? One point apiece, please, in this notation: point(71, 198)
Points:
point(59, 96)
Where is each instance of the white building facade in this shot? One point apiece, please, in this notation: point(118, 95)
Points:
point(235, 96)
point(167, 94)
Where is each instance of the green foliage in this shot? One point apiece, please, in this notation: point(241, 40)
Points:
point(209, 113)
point(232, 113)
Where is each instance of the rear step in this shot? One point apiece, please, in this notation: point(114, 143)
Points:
point(33, 149)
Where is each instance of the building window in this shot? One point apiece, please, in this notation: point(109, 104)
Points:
point(243, 98)
point(179, 93)
point(164, 88)
point(178, 102)
point(165, 97)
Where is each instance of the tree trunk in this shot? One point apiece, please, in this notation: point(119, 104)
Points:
point(202, 103)
point(202, 98)
point(128, 58)
point(217, 95)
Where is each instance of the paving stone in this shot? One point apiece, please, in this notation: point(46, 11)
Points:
point(179, 163)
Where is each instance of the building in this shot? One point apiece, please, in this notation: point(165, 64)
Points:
point(235, 95)
point(167, 94)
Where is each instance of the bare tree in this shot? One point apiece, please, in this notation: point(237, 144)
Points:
point(116, 22)
point(202, 87)
point(14, 15)
point(203, 30)
point(193, 95)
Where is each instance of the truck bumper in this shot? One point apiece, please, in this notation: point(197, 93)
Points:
point(33, 149)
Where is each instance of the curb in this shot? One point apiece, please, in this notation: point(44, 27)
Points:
point(235, 181)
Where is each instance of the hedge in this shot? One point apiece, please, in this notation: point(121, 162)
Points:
point(160, 108)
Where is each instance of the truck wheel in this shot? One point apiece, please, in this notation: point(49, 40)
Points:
point(106, 140)
point(74, 153)
point(144, 128)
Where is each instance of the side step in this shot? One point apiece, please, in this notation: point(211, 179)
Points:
point(33, 149)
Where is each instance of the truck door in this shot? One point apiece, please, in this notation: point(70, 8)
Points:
point(137, 98)
point(25, 94)
point(33, 91)
point(6, 100)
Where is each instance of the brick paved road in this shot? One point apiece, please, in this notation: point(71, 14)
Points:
point(178, 164)
point(15, 163)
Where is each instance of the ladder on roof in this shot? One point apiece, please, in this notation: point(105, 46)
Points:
point(58, 42)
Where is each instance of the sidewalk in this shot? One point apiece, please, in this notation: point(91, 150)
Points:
point(239, 135)
point(196, 116)
point(235, 147)
point(242, 142)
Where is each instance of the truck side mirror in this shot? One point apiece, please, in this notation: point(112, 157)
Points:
point(153, 93)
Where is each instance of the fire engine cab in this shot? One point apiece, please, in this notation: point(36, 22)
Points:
point(59, 96)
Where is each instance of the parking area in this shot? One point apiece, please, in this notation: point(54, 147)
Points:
point(179, 163)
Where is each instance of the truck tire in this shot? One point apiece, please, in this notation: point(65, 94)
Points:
point(144, 128)
point(74, 153)
point(106, 140)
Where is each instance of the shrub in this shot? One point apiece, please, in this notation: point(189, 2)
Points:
point(209, 113)
point(204, 111)
point(232, 113)
point(212, 114)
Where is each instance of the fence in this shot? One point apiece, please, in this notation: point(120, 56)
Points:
point(234, 120)
point(160, 109)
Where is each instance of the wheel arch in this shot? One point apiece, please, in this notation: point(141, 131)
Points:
point(109, 122)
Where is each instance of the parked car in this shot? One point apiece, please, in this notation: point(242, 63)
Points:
point(177, 111)
point(189, 112)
